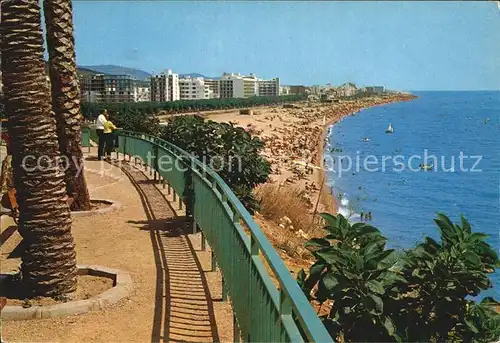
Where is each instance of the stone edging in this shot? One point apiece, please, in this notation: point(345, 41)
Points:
point(114, 205)
point(122, 288)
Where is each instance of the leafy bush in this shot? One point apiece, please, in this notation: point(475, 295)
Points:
point(134, 120)
point(229, 150)
point(419, 295)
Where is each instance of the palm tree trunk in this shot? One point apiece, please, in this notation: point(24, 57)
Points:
point(48, 264)
point(66, 95)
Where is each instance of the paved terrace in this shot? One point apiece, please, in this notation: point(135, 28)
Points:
point(176, 296)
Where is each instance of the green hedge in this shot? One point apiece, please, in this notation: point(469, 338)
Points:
point(92, 110)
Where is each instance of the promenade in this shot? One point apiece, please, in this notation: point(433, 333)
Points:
point(175, 298)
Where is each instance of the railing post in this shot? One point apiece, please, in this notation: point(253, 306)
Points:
point(285, 306)
point(115, 137)
point(254, 251)
point(155, 162)
point(124, 148)
point(214, 262)
point(236, 329)
point(224, 292)
point(203, 242)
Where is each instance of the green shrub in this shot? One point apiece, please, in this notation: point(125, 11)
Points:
point(231, 151)
point(419, 295)
point(134, 120)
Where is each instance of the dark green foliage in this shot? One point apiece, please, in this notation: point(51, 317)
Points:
point(447, 272)
point(231, 151)
point(92, 110)
point(419, 295)
point(132, 119)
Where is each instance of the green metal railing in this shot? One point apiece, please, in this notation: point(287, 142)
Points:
point(86, 137)
point(263, 312)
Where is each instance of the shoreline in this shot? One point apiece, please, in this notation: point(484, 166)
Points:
point(294, 139)
point(327, 199)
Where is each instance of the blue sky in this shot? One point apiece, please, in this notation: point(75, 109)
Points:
point(403, 45)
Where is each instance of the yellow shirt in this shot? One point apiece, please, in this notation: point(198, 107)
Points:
point(109, 127)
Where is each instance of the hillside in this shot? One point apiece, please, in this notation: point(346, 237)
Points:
point(118, 70)
point(198, 75)
point(85, 71)
point(79, 70)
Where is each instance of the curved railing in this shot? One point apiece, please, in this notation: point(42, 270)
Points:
point(263, 311)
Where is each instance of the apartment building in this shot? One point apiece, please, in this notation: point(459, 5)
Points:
point(250, 86)
point(165, 87)
point(231, 85)
point(372, 90)
point(194, 88)
point(85, 83)
point(111, 88)
point(269, 87)
point(213, 86)
point(347, 89)
point(298, 89)
point(142, 91)
point(284, 90)
point(235, 85)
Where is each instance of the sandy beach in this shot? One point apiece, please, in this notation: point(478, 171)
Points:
point(294, 139)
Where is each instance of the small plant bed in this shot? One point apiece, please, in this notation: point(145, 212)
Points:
point(99, 206)
point(88, 287)
point(97, 288)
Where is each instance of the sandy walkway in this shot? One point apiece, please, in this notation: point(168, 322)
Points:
point(144, 239)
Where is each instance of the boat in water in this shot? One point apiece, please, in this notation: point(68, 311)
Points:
point(390, 129)
point(426, 167)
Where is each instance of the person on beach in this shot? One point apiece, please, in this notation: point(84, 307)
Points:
point(101, 120)
point(369, 216)
point(361, 215)
point(109, 141)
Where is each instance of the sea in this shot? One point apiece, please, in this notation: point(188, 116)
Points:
point(454, 135)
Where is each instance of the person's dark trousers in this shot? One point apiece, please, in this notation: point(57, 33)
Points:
point(115, 139)
point(100, 147)
point(109, 143)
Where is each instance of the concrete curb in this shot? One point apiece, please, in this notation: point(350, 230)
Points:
point(122, 288)
point(114, 205)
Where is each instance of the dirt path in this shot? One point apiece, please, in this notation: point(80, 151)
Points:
point(189, 314)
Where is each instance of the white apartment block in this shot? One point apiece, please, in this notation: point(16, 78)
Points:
point(194, 89)
point(250, 86)
point(142, 93)
point(232, 85)
point(284, 90)
point(165, 87)
point(213, 86)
